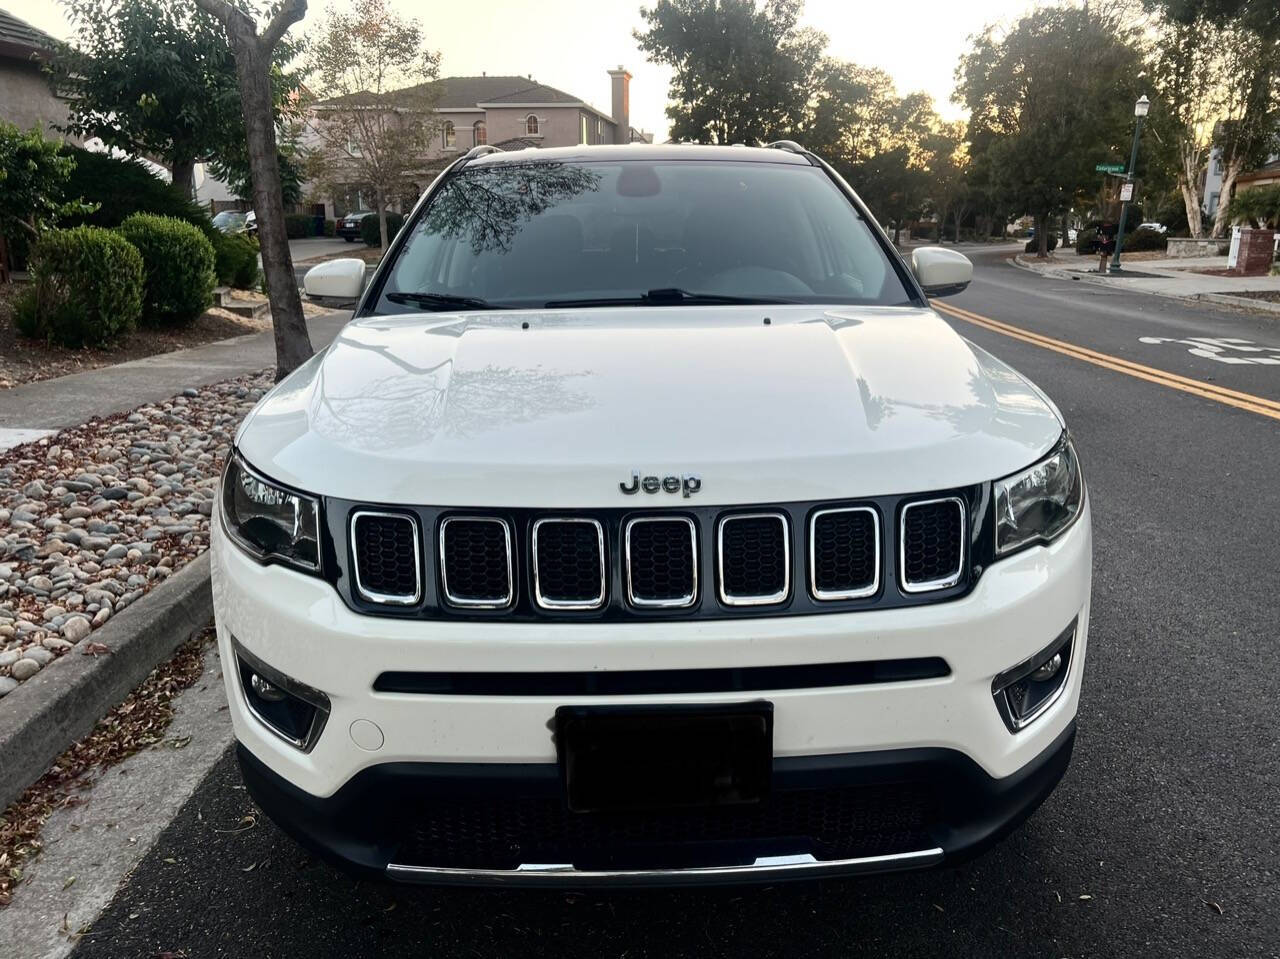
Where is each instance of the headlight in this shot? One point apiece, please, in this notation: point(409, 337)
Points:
point(1037, 504)
point(269, 521)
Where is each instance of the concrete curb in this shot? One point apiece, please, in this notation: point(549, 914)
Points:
point(64, 701)
point(1227, 299)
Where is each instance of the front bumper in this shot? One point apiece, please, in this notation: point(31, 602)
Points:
point(943, 734)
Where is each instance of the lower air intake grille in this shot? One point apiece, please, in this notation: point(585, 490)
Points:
point(933, 534)
point(755, 559)
point(385, 549)
point(502, 833)
point(662, 562)
point(475, 561)
point(844, 553)
point(569, 563)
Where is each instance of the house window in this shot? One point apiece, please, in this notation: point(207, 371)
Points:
point(353, 148)
point(582, 128)
point(480, 132)
point(531, 125)
point(448, 136)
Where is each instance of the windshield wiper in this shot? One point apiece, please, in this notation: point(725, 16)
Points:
point(442, 301)
point(666, 296)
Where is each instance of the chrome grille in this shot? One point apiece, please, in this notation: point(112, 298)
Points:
point(661, 556)
point(755, 559)
point(569, 563)
point(385, 557)
point(844, 553)
point(931, 544)
point(475, 562)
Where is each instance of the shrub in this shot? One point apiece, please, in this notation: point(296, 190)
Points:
point(1259, 207)
point(1140, 240)
point(299, 225)
point(86, 288)
point(179, 262)
point(1033, 244)
point(236, 259)
point(370, 233)
point(330, 227)
point(124, 186)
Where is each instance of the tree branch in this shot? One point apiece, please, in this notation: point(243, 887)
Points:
point(286, 16)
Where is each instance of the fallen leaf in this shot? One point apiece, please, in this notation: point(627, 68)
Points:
point(171, 861)
point(181, 742)
point(1212, 905)
point(250, 868)
point(1086, 896)
point(71, 881)
point(94, 649)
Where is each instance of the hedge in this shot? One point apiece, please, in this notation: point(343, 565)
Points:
point(371, 233)
point(1033, 244)
point(236, 259)
point(1146, 239)
point(121, 187)
point(179, 262)
point(86, 288)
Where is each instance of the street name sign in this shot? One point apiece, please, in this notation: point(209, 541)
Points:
point(1110, 168)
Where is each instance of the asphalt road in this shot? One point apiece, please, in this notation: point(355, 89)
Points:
point(1161, 841)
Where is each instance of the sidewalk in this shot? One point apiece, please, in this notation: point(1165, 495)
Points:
point(1167, 277)
point(36, 409)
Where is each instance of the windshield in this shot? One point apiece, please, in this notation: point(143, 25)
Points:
point(228, 220)
point(525, 235)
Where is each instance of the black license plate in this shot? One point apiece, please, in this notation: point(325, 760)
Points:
point(615, 758)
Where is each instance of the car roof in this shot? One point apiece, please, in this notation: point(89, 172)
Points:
point(613, 153)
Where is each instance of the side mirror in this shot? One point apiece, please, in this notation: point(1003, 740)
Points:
point(341, 279)
point(941, 272)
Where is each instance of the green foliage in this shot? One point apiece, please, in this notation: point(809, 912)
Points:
point(1033, 244)
point(330, 227)
point(86, 288)
point(1143, 240)
point(1259, 207)
point(179, 262)
point(370, 232)
point(299, 225)
point(121, 186)
point(33, 185)
point(742, 72)
point(236, 262)
point(156, 77)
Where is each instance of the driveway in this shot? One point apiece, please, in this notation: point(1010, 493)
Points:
point(314, 246)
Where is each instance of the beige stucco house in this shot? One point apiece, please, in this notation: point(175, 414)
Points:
point(25, 97)
point(512, 113)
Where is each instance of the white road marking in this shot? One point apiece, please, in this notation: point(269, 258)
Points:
point(9, 438)
point(1220, 348)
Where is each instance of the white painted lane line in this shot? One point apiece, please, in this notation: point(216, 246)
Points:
point(9, 438)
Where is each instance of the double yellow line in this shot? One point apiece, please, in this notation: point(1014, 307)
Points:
point(1208, 391)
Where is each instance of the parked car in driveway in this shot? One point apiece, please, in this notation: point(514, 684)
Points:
point(348, 227)
point(1152, 225)
point(230, 221)
point(655, 531)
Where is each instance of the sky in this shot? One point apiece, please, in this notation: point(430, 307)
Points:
point(570, 44)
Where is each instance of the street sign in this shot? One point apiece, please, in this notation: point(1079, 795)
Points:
point(1126, 192)
point(1110, 168)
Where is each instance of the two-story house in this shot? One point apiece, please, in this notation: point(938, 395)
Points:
point(512, 113)
point(26, 99)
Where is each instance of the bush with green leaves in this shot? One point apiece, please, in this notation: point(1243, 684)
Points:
point(298, 226)
point(1033, 244)
point(179, 262)
point(237, 259)
point(370, 233)
point(1259, 207)
point(1145, 239)
point(122, 186)
point(86, 288)
point(34, 192)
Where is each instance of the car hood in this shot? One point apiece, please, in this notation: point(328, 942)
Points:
point(557, 408)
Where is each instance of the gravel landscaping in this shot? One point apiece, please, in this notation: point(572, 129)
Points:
point(94, 516)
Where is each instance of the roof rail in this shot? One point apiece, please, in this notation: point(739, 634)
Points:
point(789, 145)
point(482, 149)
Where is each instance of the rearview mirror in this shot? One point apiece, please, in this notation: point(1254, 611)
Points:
point(341, 279)
point(941, 272)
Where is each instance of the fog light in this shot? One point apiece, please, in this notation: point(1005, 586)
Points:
point(291, 710)
point(1023, 693)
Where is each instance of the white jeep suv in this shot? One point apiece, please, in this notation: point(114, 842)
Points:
point(646, 525)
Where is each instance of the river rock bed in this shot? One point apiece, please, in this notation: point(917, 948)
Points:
point(94, 516)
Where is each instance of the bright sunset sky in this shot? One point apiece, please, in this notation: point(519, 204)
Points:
point(570, 44)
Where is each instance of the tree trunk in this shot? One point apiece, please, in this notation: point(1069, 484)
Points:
point(382, 217)
point(1062, 237)
point(293, 344)
point(1230, 170)
point(183, 175)
point(1189, 155)
point(1042, 238)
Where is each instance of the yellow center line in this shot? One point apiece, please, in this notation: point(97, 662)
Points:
point(1219, 394)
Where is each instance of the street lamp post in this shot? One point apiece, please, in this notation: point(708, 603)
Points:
point(1140, 111)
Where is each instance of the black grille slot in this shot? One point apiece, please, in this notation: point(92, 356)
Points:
point(475, 561)
point(662, 558)
point(845, 553)
point(385, 548)
point(568, 556)
point(932, 544)
point(502, 833)
point(755, 559)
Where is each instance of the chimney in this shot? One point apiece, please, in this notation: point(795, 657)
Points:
point(621, 81)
